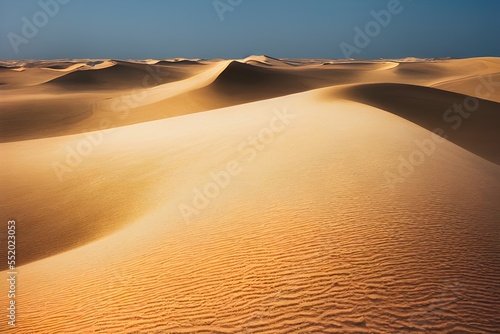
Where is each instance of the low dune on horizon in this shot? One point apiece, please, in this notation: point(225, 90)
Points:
point(255, 195)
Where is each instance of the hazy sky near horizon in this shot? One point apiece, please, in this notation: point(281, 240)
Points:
point(280, 28)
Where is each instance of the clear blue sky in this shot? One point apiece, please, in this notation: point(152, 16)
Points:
point(279, 28)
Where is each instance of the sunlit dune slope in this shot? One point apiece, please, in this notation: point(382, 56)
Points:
point(125, 92)
point(306, 237)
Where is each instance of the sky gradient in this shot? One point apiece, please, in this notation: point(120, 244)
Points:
point(143, 29)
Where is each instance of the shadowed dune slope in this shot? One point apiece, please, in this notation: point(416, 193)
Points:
point(478, 86)
point(42, 111)
point(241, 80)
point(66, 199)
point(468, 122)
point(40, 118)
point(363, 66)
point(126, 82)
point(178, 62)
point(237, 84)
point(64, 65)
point(25, 77)
point(243, 83)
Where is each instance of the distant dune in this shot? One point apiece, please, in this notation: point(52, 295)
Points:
point(179, 62)
point(121, 75)
point(255, 195)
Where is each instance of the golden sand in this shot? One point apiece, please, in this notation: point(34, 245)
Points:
point(253, 196)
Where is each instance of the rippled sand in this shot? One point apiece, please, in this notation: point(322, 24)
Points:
point(316, 224)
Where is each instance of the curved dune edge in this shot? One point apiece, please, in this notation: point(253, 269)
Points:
point(469, 122)
point(222, 84)
point(477, 86)
point(265, 61)
point(318, 246)
point(64, 67)
point(82, 110)
point(366, 66)
point(119, 93)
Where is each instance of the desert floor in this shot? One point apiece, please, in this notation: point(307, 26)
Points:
point(257, 195)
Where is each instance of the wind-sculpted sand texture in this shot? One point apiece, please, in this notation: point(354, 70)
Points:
point(253, 196)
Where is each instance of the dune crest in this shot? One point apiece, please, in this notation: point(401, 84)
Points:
point(257, 195)
point(470, 123)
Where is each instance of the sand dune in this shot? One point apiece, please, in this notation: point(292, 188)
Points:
point(65, 66)
point(122, 75)
point(355, 65)
point(20, 76)
point(149, 92)
point(473, 86)
point(179, 62)
point(97, 98)
point(301, 234)
point(238, 78)
point(264, 60)
point(470, 123)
